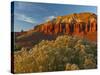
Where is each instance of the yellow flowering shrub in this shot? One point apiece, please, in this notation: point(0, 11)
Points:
point(64, 53)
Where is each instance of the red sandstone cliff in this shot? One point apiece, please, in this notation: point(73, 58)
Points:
point(83, 25)
point(77, 24)
point(72, 24)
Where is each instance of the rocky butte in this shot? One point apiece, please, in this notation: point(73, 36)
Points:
point(73, 24)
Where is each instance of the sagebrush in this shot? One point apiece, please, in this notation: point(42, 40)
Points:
point(64, 53)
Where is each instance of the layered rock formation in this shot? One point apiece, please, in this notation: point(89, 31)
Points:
point(81, 23)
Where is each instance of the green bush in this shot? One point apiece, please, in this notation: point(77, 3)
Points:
point(17, 47)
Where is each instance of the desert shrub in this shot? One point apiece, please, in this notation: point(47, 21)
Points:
point(17, 47)
point(71, 67)
point(64, 53)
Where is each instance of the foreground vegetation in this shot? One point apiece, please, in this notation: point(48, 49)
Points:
point(64, 53)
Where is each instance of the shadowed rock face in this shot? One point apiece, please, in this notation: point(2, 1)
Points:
point(82, 23)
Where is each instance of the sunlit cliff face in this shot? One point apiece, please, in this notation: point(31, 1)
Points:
point(73, 25)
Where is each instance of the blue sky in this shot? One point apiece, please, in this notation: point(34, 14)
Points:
point(27, 14)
